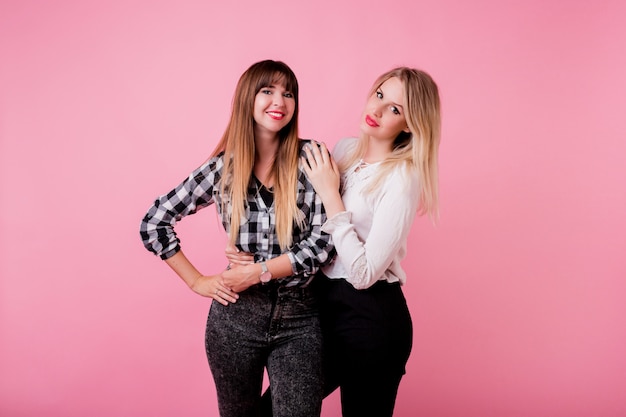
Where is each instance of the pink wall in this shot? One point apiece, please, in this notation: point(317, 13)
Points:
point(517, 295)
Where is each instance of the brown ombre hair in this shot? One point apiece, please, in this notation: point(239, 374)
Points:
point(239, 149)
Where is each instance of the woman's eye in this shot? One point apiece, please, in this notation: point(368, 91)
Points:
point(395, 110)
point(288, 95)
point(379, 94)
point(266, 91)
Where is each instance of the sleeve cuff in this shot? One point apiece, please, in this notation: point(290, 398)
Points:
point(169, 253)
point(340, 219)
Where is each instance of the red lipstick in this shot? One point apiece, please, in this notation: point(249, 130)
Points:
point(370, 121)
point(276, 115)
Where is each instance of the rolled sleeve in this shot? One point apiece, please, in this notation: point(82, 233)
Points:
point(194, 193)
point(316, 248)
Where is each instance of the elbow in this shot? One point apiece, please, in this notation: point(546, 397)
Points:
point(328, 256)
point(363, 284)
point(361, 277)
point(360, 285)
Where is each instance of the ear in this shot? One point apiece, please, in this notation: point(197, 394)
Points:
point(406, 130)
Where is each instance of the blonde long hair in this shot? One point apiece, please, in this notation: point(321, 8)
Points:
point(239, 149)
point(417, 149)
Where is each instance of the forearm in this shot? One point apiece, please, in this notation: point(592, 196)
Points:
point(206, 286)
point(241, 277)
point(333, 204)
point(280, 266)
point(183, 268)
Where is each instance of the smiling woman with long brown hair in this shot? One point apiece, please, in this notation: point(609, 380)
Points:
point(266, 315)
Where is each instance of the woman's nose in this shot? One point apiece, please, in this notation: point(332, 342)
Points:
point(279, 100)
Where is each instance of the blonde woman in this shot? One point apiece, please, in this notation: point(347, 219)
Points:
point(387, 176)
point(265, 315)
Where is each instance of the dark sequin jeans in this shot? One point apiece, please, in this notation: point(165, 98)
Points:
point(272, 327)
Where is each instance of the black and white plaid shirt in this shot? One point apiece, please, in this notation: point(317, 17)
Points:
point(311, 247)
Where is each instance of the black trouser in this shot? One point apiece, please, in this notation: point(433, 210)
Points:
point(368, 337)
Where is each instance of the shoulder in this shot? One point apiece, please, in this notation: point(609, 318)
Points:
point(306, 143)
point(214, 162)
point(210, 168)
point(345, 145)
point(403, 179)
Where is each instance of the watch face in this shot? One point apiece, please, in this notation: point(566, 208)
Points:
point(266, 276)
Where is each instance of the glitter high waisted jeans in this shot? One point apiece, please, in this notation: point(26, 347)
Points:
point(272, 327)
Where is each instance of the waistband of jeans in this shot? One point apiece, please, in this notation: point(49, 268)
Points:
point(281, 286)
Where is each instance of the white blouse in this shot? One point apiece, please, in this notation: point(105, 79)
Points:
point(371, 235)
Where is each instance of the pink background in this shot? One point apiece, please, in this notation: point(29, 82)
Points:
point(517, 296)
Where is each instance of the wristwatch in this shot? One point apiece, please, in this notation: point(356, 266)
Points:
point(266, 275)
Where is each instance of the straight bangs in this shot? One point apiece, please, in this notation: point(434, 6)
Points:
point(279, 78)
point(277, 73)
point(273, 73)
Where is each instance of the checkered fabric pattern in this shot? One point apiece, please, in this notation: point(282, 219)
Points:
point(311, 247)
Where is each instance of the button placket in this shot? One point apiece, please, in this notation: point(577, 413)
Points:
point(265, 227)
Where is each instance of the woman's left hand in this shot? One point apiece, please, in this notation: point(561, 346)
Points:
point(321, 170)
point(236, 257)
point(236, 274)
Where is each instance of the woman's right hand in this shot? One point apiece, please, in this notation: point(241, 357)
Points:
point(323, 173)
point(213, 287)
point(321, 169)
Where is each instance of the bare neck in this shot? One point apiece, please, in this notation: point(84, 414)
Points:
point(377, 150)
